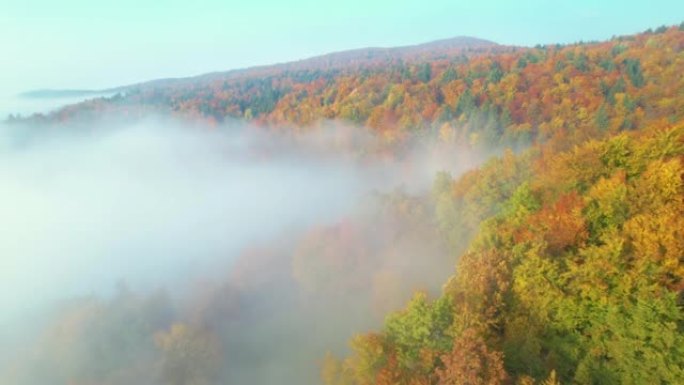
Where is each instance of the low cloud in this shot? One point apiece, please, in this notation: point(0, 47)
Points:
point(275, 246)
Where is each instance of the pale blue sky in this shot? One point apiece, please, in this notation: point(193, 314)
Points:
point(100, 43)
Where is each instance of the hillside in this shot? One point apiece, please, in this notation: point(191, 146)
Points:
point(347, 61)
point(483, 94)
point(575, 273)
point(260, 88)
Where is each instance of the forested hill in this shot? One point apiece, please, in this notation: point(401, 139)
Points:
point(575, 272)
point(262, 86)
point(469, 90)
point(576, 275)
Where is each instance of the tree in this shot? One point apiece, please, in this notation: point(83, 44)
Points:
point(421, 326)
point(466, 103)
point(449, 75)
point(424, 73)
point(633, 69)
point(333, 371)
point(602, 119)
point(190, 355)
point(472, 362)
point(495, 72)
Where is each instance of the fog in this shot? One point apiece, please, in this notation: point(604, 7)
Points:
point(14, 104)
point(147, 203)
point(268, 249)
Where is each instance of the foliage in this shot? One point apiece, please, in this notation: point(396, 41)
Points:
point(569, 252)
point(577, 277)
point(472, 363)
point(491, 95)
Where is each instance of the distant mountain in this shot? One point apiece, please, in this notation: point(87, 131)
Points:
point(57, 93)
point(464, 88)
point(372, 55)
point(342, 60)
point(362, 57)
point(468, 89)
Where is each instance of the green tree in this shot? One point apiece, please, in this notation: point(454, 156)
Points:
point(424, 73)
point(602, 119)
point(495, 72)
point(423, 325)
point(633, 69)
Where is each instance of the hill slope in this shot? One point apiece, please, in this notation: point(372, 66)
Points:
point(576, 270)
point(357, 58)
point(481, 94)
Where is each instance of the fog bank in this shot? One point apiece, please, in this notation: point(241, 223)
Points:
point(262, 250)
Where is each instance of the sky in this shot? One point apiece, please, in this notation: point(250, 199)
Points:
point(99, 44)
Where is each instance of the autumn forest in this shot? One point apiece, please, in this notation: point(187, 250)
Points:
point(519, 221)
